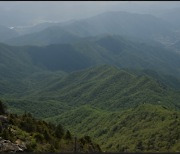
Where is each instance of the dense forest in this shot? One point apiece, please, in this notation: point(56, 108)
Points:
point(121, 110)
point(109, 83)
point(34, 135)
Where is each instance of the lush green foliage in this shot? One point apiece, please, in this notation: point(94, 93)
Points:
point(104, 87)
point(110, 49)
point(148, 128)
point(58, 57)
point(40, 136)
point(129, 109)
point(168, 80)
point(2, 108)
point(121, 110)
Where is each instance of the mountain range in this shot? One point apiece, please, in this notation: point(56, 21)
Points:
point(114, 77)
point(142, 26)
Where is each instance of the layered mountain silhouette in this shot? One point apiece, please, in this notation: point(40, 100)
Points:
point(114, 77)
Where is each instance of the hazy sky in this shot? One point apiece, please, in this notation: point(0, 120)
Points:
point(13, 13)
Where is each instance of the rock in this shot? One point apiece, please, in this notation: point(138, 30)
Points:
point(8, 146)
point(21, 144)
point(4, 122)
point(3, 119)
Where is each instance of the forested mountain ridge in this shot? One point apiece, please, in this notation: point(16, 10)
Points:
point(144, 128)
point(105, 87)
point(113, 77)
point(137, 112)
point(107, 49)
point(18, 63)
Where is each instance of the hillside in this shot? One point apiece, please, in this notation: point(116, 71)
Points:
point(89, 78)
point(108, 87)
point(145, 128)
point(169, 80)
point(136, 112)
point(27, 134)
point(41, 73)
point(92, 51)
point(14, 66)
point(126, 53)
point(108, 49)
point(104, 87)
point(127, 105)
point(62, 57)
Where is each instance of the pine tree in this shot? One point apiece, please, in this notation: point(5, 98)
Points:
point(68, 135)
point(59, 131)
point(2, 108)
point(47, 136)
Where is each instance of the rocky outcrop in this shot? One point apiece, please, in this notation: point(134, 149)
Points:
point(8, 146)
point(3, 122)
point(21, 144)
point(3, 119)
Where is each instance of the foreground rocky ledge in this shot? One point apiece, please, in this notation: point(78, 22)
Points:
point(8, 146)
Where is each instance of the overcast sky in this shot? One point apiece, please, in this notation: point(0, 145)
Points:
point(13, 13)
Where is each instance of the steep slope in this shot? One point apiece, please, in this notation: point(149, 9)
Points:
point(109, 88)
point(108, 49)
point(145, 128)
point(168, 80)
point(102, 87)
point(18, 69)
point(122, 111)
point(14, 60)
point(125, 53)
point(20, 62)
point(119, 109)
point(14, 66)
point(58, 57)
point(33, 135)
